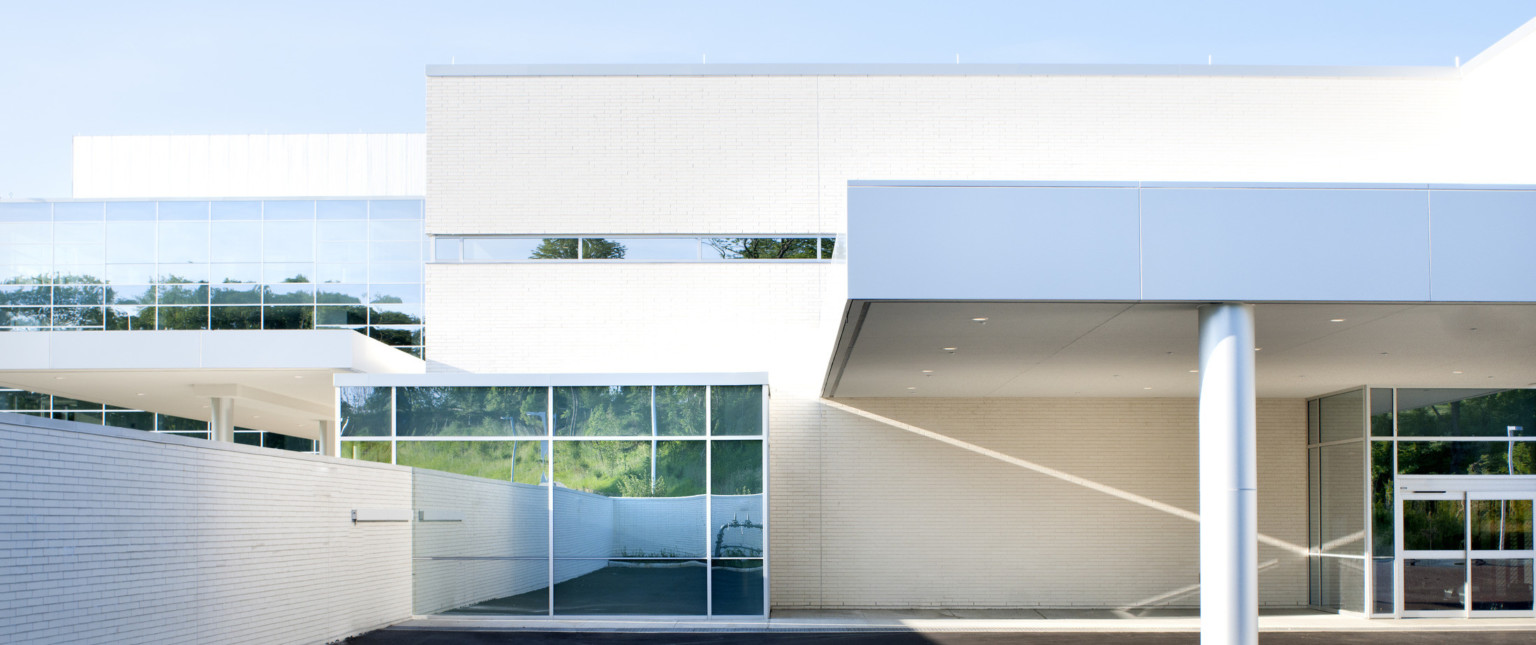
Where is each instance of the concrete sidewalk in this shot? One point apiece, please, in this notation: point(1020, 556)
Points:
point(980, 621)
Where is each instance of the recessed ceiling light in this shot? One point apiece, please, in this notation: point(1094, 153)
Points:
point(1456, 371)
point(928, 372)
point(141, 394)
point(1336, 320)
point(1258, 349)
point(58, 378)
point(911, 388)
point(1147, 387)
point(1194, 371)
point(298, 376)
point(949, 349)
point(981, 319)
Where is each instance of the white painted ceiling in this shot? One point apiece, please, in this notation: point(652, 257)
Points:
point(1149, 349)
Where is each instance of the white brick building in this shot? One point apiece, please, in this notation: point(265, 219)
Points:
point(932, 336)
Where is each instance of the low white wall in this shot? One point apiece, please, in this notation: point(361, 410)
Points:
point(120, 536)
point(658, 527)
point(470, 561)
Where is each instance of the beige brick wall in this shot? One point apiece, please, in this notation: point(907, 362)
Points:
point(864, 514)
point(120, 536)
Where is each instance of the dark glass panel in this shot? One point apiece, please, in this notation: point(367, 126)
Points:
point(1464, 413)
point(1501, 525)
point(92, 417)
point(285, 442)
point(1523, 458)
point(737, 588)
point(603, 411)
point(630, 587)
point(1382, 488)
point(1434, 525)
point(240, 317)
point(1381, 412)
point(130, 420)
point(375, 451)
point(288, 317)
point(397, 336)
point(1384, 568)
point(527, 579)
point(679, 410)
point(737, 467)
point(471, 411)
point(736, 410)
point(356, 315)
point(248, 438)
point(1434, 584)
point(1314, 421)
point(244, 294)
point(23, 400)
point(189, 435)
point(223, 210)
point(1342, 416)
point(1452, 458)
point(760, 248)
point(166, 422)
point(122, 318)
point(1501, 585)
point(365, 411)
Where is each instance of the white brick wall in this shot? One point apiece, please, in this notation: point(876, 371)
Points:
point(868, 515)
point(119, 536)
point(501, 520)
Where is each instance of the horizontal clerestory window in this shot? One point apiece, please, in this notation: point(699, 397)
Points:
point(525, 248)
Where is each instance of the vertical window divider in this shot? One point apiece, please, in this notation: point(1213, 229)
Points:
point(549, 470)
point(709, 511)
point(394, 433)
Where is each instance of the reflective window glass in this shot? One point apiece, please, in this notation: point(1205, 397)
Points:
point(1501, 524)
point(288, 210)
point(292, 293)
point(395, 251)
point(79, 295)
point(760, 248)
point(288, 241)
point(125, 211)
point(79, 274)
point(36, 254)
point(1381, 412)
point(501, 249)
point(288, 317)
point(375, 451)
point(24, 212)
point(130, 242)
point(87, 211)
point(394, 230)
point(235, 241)
point(24, 317)
point(166, 422)
point(395, 293)
point(1343, 416)
point(329, 273)
point(1434, 525)
point(736, 410)
point(1452, 458)
point(276, 272)
point(1434, 584)
point(484, 459)
point(365, 411)
point(436, 581)
point(235, 317)
point(26, 232)
point(394, 209)
point(224, 273)
point(343, 230)
point(75, 233)
point(341, 209)
point(130, 273)
point(396, 336)
point(341, 293)
point(182, 294)
point(186, 318)
point(129, 419)
point(737, 586)
point(30, 296)
point(395, 315)
point(610, 411)
point(183, 242)
point(1464, 413)
point(679, 410)
point(394, 271)
point(181, 273)
point(1382, 488)
point(338, 315)
point(130, 317)
point(658, 249)
point(222, 210)
point(471, 411)
point(630, 587)
point(1501, 585)
point(183, 210)
point(77, 317)
point(446, 249)
point(353, 251)
point(828, 248)
point(77, 254)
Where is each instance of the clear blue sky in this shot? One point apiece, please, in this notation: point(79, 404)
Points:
point(148, 67)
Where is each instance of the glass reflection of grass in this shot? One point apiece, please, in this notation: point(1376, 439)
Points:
point(487, 459)
point(623, 468)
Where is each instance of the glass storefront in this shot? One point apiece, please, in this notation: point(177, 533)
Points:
point(577, 500)
point(1448, 475)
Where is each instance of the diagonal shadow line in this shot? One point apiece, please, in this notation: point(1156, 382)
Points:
point(1052, 472)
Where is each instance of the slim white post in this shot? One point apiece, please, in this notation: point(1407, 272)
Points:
point(1229, 577)
point(222, 426)
point(326, 445)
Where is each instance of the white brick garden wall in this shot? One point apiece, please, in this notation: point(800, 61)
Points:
point(120, 536)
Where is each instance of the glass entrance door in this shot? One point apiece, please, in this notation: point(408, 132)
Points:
point(1464, 553)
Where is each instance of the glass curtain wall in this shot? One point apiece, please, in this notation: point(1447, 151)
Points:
point(1415, 431)
point(616, 500)
point(221, 264)
point(67, 409)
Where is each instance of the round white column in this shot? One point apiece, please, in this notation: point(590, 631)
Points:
point(1229, 585)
